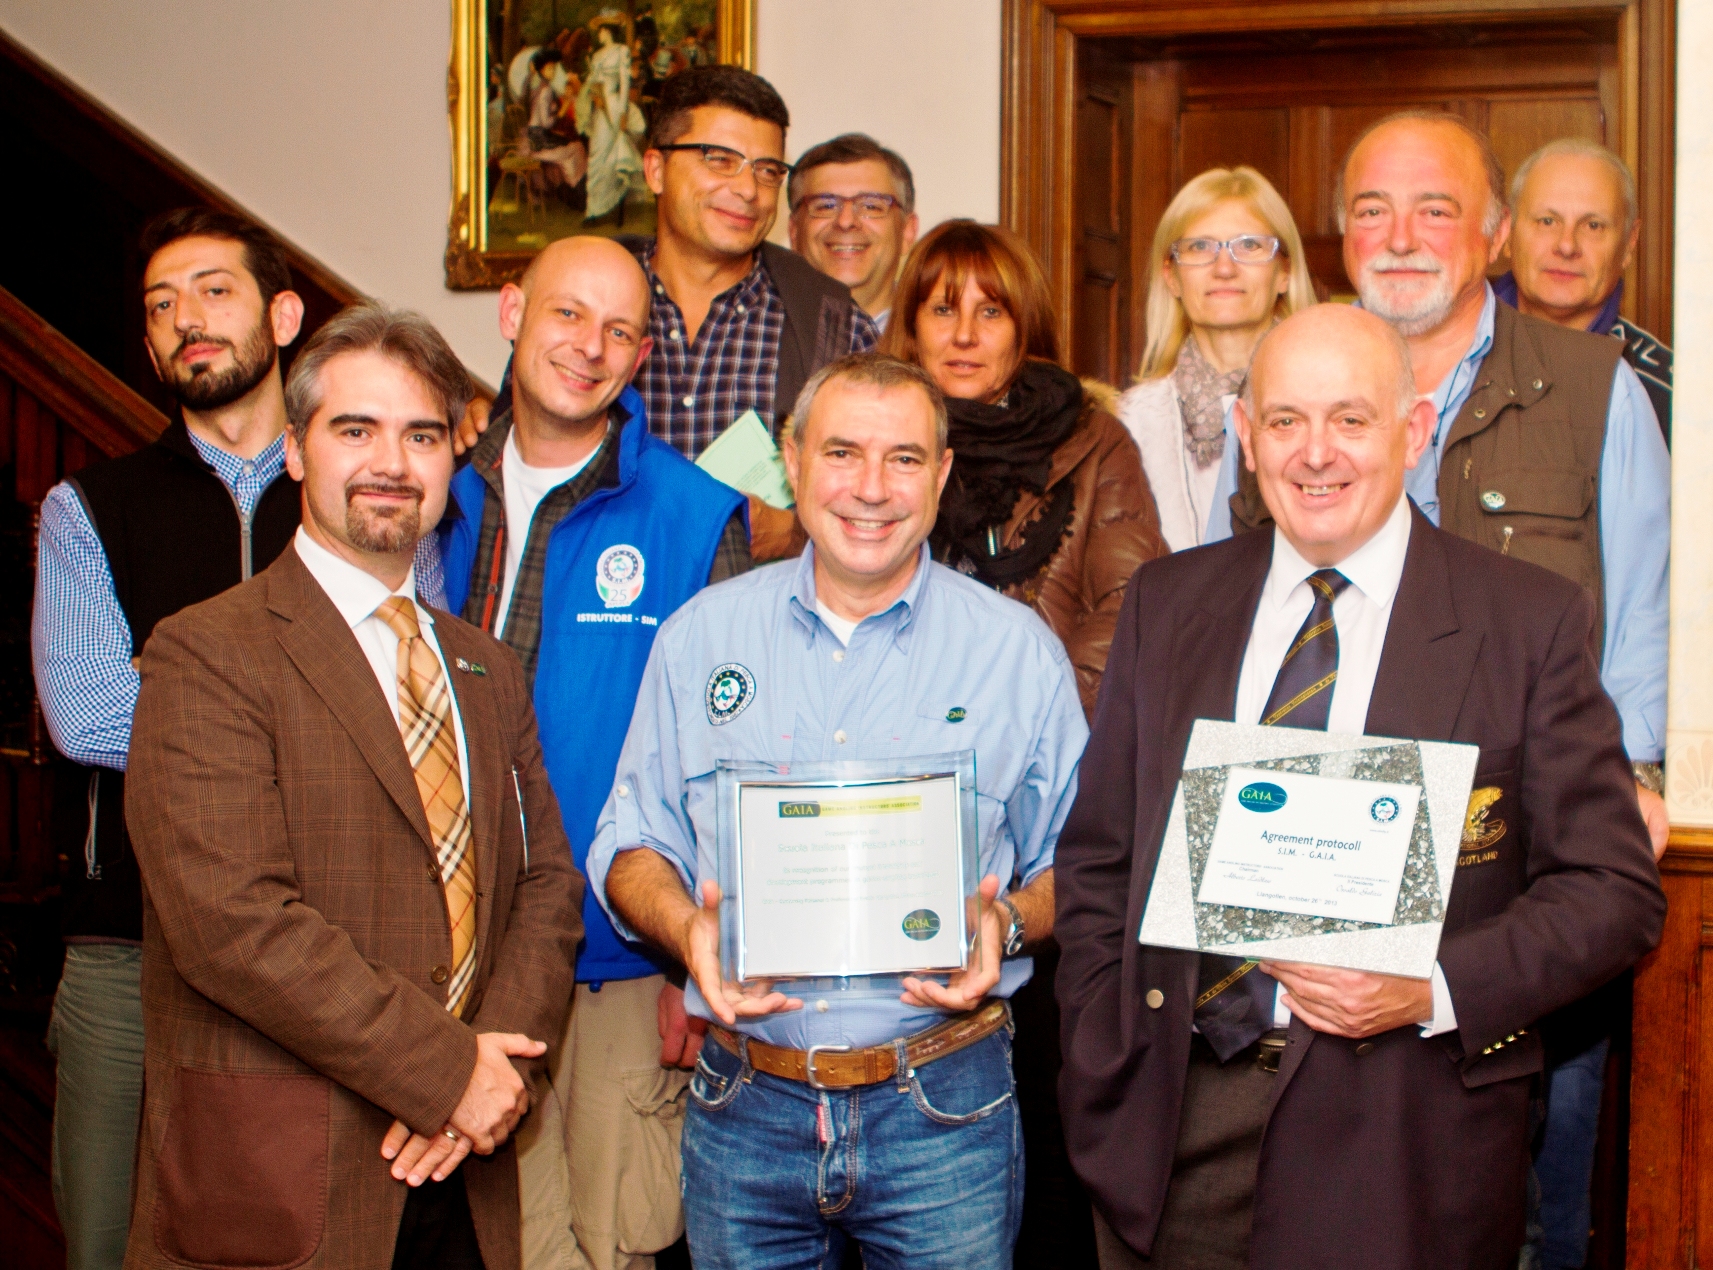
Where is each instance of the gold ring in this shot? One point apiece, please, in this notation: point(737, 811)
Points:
point(451, 1133)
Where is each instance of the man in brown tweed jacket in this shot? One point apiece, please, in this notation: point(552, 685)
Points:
point(359, 903)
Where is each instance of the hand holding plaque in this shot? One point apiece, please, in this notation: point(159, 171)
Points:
point(861, 871)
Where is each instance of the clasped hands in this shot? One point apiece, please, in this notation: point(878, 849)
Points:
point(964, 990)
point(1352, 1003)
point(494, 1101)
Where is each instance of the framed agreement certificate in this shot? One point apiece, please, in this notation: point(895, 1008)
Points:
point(847, 870)
point(1311, 846)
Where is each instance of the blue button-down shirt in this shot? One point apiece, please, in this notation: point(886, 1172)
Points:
point(949, 648)
point(1635, 532)
point(80, 641)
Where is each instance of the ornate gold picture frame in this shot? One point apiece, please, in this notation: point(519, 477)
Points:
point(550, 102)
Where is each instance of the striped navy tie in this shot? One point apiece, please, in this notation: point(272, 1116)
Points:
point(1234, 1000)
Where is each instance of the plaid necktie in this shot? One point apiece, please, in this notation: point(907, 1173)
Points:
point(425, 721)
point(1234, 1000)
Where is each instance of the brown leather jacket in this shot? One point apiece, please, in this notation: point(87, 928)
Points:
point(1114, 530)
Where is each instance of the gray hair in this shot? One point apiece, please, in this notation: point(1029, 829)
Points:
point(405, 337)
point(1489, 161)
point(1585, 150)
point(1406, 374)
point(872, 370)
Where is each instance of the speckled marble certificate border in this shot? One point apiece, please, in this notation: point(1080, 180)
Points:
point(1446, 772)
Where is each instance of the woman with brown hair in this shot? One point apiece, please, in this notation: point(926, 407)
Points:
point(1047, 501)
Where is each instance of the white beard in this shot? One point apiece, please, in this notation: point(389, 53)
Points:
point(1412, 312)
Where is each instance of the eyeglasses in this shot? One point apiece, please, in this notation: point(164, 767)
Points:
point(868, 206)
point(1248, 249)
point(722, 161)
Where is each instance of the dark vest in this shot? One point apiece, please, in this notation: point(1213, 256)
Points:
point(173, 538)
point(1521, 470)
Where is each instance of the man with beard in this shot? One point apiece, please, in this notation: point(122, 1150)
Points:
point(125, 544)
point(359, 905)
point(1544, 444)
point(577, 532)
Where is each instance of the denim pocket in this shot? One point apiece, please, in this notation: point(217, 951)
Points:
point(966, 1087)
point(710, 1090)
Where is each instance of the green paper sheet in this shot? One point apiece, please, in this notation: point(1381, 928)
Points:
point(745, 457)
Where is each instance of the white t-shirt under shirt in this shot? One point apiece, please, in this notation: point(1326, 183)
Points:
point(841, 627)
point(525, 487)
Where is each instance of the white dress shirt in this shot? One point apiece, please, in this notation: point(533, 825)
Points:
point(1360, 615)
point(357, 595)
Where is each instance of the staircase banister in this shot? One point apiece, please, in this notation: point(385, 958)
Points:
point(80, 391)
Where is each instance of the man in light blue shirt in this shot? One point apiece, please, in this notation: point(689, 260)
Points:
point(861, 649)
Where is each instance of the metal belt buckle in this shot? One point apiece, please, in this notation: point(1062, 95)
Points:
point(1272, 1051)
point(809, 1065)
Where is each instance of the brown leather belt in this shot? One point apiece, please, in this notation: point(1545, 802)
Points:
point(834, 1067)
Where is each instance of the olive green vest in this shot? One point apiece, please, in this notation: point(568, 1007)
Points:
point(1521, 467)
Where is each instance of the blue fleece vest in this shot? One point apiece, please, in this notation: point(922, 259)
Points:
point(620, 563)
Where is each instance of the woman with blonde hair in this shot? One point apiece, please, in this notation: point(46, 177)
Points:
point(1227, 264)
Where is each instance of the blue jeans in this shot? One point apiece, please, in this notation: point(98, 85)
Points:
point(924, 1171)
point(96, 1035)
point(1564, 1166)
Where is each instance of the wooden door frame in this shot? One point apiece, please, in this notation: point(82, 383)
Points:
point(1038, 94)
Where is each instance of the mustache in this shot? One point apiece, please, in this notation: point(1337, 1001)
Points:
point(1414, 262)
point(201, 337)
point(383, 487)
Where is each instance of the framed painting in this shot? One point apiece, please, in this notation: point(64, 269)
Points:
point(551, 102)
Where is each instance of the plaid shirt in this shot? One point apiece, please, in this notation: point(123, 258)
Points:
point(523, 617)
point(694, 391)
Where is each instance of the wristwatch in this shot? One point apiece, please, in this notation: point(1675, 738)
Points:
point(1649, 776)
point(1013, 941)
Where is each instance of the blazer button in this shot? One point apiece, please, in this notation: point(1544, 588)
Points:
point(1155, 998)
point(438, 974)
point(1364, 1049)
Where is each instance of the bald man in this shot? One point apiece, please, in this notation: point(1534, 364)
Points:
point(572, 535)
point(1298, 1116)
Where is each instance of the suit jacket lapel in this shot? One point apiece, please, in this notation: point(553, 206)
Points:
point(327, 655)
point(488, 774)
point(1208, 653)
point(1428, 658)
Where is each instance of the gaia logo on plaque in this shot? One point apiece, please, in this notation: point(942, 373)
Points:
point(790, 811)
point(1384, 810)
point(618, 576)
point(924, 923)
point(1261, 796)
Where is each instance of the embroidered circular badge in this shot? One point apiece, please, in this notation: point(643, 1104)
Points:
point(1384, 810)
point(730, 690)
point(1493, 500)
point(618, 576)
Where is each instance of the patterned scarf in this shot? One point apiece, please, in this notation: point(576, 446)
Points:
point(1200, 387)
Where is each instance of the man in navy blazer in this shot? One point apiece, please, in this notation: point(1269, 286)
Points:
point(1372, 1120)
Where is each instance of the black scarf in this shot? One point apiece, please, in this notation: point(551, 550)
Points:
point(999, 452)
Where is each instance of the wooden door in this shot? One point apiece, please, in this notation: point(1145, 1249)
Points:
point(1290, 105)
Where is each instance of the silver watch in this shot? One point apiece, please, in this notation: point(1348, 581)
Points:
point(1650, 776)
point(1013, 941)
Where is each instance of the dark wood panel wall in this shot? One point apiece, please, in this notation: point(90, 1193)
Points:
point(1134, 98)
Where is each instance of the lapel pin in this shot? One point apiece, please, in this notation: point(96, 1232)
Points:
point(470, 667)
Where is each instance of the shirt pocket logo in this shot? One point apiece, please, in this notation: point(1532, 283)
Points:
point(730, 690)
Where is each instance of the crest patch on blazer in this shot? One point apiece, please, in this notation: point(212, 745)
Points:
point(1481, 835)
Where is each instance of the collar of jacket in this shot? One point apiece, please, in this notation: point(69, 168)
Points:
point(627, 411)
point(1512, 374)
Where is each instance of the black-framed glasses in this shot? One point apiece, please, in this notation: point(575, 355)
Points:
point(1245, 249)
point(726, 162)
point(868, 206)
